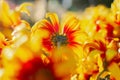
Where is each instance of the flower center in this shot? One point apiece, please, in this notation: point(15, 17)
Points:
point(59, 40)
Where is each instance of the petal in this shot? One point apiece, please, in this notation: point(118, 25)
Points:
point(2, 37)
point(116, 10)
point(48, 26)
point(110, 54)
point(115, 71)
point(78, 36)
point(15, 18)
point(3, 42)
point(70, 25)
point(23, 8)
point(54, 20)
point(36, 39)
point(43, 24)
point(5, 14)
point(41, 33)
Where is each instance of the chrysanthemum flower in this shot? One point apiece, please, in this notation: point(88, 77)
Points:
point(96, 23)
point(61, 43)
point(116, 11)
point(115, 17)
point(10, 18)
point(48, 34)
point(92, 64)
point(109, 58)
point(90, 67)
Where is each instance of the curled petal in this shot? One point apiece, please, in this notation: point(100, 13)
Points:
point(89, 46)
point(44, 24)
point(23, 8)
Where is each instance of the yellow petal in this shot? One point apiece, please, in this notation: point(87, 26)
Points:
point(5, 14)
point(2, 37)
point(115, 71)
point(116, 10)
point(36, 26)
point(70, 23)
point(23, 8)
point(36, 39)
point(80, 37)
point(110, 54)
point(46, 25)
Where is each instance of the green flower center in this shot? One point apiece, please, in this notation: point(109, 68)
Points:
point(59, 40)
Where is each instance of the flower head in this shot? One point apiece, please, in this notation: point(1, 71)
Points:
point(11, 18)
point(116, 11)
point(25, 64)
point(48, 34)
point(97, 23)
point(107, 58)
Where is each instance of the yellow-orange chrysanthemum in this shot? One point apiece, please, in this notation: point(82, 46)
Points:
point(48, 34)
point(108, 61)
point(11, 18)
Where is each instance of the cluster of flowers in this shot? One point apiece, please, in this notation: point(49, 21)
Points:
point(84, 48)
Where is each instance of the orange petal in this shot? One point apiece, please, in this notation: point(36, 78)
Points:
point(54, 20)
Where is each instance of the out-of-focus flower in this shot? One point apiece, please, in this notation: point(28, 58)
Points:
point(10, 18)
point(116, 11)
point(96, 23)
point(25, 64)
point(115, 17)
point(21, 34)
point(3, 41)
